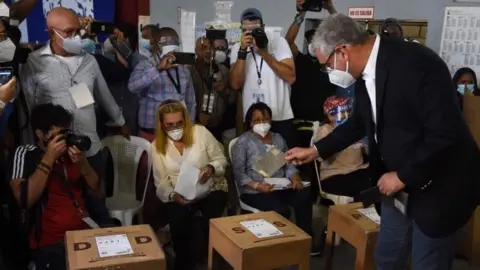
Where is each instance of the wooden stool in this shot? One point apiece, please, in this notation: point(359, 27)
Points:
point(354, 228)
point(468, 245)
point(243, 250)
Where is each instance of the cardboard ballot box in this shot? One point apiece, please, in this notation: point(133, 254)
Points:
point(353, 226)
point(260, 241)
point(127, 248)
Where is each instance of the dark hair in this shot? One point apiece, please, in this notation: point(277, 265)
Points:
point(463, 71)
point(153, 28)
point(130, 32)
point(259, 106)
point(46, 116)
point(167, 31)
point(309, 34)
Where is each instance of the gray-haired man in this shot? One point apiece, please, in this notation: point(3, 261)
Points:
point(420, 146)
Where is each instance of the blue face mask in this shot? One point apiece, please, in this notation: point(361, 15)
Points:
point(340, 122)
point(461, 88)
point(145, 43)
point(88, 45)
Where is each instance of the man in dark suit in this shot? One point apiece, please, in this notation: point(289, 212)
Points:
point(419, 142)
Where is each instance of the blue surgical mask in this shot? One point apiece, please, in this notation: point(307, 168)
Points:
point(88, 45)
point(145, 43)
point(340, 122)
point(461, 88)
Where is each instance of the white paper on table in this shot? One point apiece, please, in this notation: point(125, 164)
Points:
point(187, 30)
point(282, 183)
point(370, 213)
point(261, 228)
point(188, 184)
point(113, 245)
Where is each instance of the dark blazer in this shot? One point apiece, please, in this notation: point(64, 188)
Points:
point(421, 133)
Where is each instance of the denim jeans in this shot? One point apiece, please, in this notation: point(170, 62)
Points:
point(96, 206)
point(400, 237)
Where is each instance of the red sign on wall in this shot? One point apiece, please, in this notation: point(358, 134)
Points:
point(361, 12)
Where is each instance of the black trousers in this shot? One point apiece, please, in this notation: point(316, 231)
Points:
point(347, 184)
point(285, 128)
point(181, 219)
point(96, 206)
point(280, 201)
point(50, 257)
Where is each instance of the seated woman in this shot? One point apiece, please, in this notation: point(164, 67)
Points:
point(345, 173)
point(178, 141)
point(466, 80)
point(255, 192)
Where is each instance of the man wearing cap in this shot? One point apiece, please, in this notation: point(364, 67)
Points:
point(264, 71)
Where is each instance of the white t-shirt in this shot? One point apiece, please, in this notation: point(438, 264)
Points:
point(273, 91)
point(72, 62)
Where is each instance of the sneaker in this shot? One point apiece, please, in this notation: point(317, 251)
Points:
point(316, 250)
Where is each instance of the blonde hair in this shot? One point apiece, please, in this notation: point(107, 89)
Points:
point(161, 137)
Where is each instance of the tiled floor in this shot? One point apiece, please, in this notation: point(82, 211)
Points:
point(344, 259)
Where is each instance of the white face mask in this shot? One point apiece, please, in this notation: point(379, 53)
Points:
point(169, 48)
point(340, 78)
point(108, 47)
point(176, 134)
point(220, 56)
point(261, 129)
point(311, 50)
point(7, 51)
point(71, 45)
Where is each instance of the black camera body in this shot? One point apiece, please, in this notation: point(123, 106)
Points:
point(261, 39)
point(312, 5)
point(83, 143)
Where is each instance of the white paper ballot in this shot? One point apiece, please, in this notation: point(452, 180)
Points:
point(113, 245)
point(81, 95)
point(282, 183)
point(370, 213)
point(261, 228)
point(188, 184)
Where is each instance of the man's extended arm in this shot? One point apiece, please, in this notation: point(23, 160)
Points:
point(20, 10)
point(237, 71)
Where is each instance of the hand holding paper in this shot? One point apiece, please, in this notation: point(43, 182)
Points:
point(189, 183)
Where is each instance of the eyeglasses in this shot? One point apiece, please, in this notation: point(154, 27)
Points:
point(68, 32)
point(172, 126)
point(324, 66)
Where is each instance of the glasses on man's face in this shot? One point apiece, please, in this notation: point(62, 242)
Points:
point(325, 67)
point(176, 125)
point(69, 32)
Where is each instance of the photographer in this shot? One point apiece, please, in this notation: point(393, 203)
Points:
point(264, 69)
point(50, 179)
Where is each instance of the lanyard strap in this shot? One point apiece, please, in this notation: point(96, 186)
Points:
point(175, 83)
point(66, 185)
point(259, 70)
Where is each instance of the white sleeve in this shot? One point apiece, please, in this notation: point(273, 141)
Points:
point(283, 50)
point(234, 53)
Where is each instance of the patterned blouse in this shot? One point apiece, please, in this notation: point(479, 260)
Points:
point(248, 149)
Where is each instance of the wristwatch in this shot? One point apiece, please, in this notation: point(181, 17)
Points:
point(242, 54)
point(298, 19)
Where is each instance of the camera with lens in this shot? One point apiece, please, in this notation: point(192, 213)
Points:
point(261, 39)
point(312, 5)
point(83, 143)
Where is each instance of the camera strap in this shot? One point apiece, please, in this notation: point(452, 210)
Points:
point(68, 188)
point(259, 70)
point(176, 84)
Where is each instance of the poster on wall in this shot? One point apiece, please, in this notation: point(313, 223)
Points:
point(34, 28)
point(460, 43)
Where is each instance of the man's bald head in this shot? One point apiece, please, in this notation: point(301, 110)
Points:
point(62, 18)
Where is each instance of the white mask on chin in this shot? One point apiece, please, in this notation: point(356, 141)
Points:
point(176, 134)
point(7, 50)
point(340, 78)
point(261, 129)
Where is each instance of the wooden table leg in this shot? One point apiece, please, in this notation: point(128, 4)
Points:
point(364, 258)
point(210, 256)
point(329, 249)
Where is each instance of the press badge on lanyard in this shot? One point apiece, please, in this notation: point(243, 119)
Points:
point(89, 221)
point(258, 95)
point(208, 100)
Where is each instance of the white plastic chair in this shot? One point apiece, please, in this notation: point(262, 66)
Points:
point(123, 205)
point(243, 205)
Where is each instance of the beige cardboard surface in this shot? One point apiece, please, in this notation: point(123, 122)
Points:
point(83, 252)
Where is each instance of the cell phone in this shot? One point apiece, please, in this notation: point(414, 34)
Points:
point(122, 48)
point(6, 74)
point(184, 58)
point(101, 27)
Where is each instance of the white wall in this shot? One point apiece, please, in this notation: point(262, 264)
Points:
point(282, 12)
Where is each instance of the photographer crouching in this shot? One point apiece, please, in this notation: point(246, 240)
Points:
point(50, 180)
